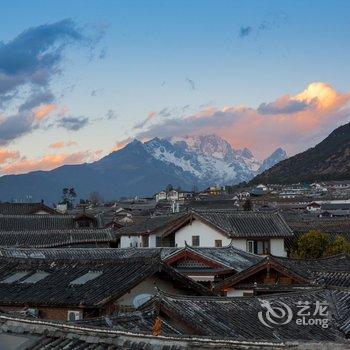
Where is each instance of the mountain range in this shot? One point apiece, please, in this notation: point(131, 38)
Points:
point(143, 169)
point(329, 160)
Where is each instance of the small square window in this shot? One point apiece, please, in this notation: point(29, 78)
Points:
point(195, 241)
point(218, 243)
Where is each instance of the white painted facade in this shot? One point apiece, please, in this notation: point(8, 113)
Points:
point(130, 241)
point(207, 237)
point(238, 292)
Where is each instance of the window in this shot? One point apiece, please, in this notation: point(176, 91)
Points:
point(158, 241)
point(218, 243)
point(250, 246)
point(260, 247)
point(89, 276)
point(15, 277)
point(195, 241)
point(145, 241)
point(74, 315)
point(36, 277)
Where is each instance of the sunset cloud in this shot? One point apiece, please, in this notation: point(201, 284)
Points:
point(150, 117)
point(43, 111)
point(48, 162)
point(6, 155)
point(292, 122)
point(121, 144)
point(61, 144)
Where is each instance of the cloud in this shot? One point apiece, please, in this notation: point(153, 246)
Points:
point(142, 124)
point(33, 56)
point(273, 21)
point(28, 64)
point(121, 144)
point(6, 155)
point(103, 53)
point(61, 144)
point(73, 123)
point(43, 111)
point(244, 31)
point(111, 114)
point(15, 126)
point(191, 83)
point(48, 162)
point(283, 105)
point(295, 122)
point(36, 99)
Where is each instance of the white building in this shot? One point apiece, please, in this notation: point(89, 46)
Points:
point(254, 232)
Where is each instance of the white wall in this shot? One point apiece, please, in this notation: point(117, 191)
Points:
point(240, 244)
point(207, 235)
point(238, 292)
point(277, 247)
point(148, 286)
point(126, 240)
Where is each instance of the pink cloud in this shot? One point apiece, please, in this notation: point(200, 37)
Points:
point(48, 162)
point(43, 111)
point(61, 144)
point(293, 122)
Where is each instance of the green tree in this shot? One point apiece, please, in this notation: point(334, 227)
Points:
point(68, 196)
point(312, 245)
point(169, 188)
point(338, 246)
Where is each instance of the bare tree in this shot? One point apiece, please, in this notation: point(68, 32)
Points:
point(95, 198)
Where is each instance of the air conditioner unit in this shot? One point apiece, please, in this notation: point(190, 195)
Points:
point(32, 312)
point(73, 315)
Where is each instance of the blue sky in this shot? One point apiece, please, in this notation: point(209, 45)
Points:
point(159, 63)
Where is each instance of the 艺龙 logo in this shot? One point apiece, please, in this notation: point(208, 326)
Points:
point(277, 313)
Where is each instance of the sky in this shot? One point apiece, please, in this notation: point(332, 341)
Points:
point(79, 79)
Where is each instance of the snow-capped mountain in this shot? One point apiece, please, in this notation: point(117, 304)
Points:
point(209, 158)
point(274, 158)
point(142, 169)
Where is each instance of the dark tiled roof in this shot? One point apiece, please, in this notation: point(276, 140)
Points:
point(17, 332)
point(24, 208)
point(149, 224)
point(79, 253)
point(246, 224)
point(332, 271)
point(55, 237)
point(228, 256)
point(238, 318)
point(331, 226)
point(136, 321)
point(113, 278)
point(36, 222)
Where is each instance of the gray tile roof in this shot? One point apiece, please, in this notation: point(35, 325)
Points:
point(238, 224)
point(23, 208)
point(79, 253)
point(331, 271)
point(136, 321)
point(149, 224)
point(36, 222)
point(229, 256)
point(112, 278)
point(47, 238)
point(238, 318)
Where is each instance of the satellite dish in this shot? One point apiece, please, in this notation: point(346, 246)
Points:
point(141, 299)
